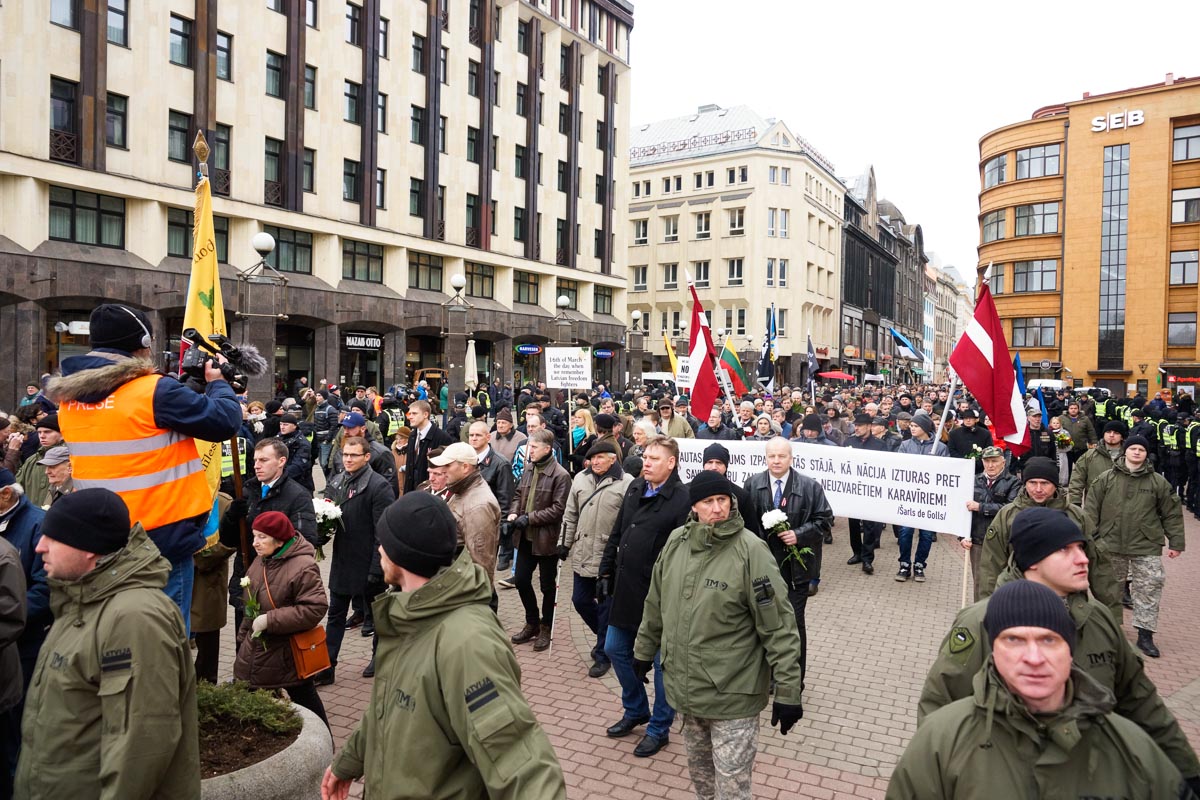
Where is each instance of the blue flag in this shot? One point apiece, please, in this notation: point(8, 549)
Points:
point(904, 347)
point(1045, 412)
point(1020, 374)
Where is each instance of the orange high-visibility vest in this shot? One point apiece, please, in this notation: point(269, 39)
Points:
point(115, 444)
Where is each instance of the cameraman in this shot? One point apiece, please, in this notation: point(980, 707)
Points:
point(131, 430)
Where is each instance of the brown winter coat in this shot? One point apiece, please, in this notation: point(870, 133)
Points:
point(478, 516)
point(549, 505)
point(300, 605)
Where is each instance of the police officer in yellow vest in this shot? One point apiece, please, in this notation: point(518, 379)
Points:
point(131, 430)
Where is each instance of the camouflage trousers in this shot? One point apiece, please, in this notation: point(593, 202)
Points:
point(1146, 579)
point(720, 755)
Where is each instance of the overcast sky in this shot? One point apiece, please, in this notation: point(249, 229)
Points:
point(909, 88)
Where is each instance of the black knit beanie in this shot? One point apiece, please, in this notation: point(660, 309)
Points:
point(418, 532)
point(118, 327)
point(1118, 426)
point(1038, 532)
point(1138, 440)
point(715, 452)
point(1040, 467)
point(92, 520)
point(708, 483)
point(1025, 604)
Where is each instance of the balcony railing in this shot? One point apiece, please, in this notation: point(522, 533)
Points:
point(561, 257)
point(273, 193)
point(475, 36)
point(221, 181)
point(440, 230)
point(472, 237)
point(64, 146)
point(564, 82)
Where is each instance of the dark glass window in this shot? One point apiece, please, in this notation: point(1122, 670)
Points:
point(1181, 329)
point(1037, 218)
point(274, 74)
point(519, 161)
point(179, 127)
point(1113, 247)
point(525, 287)
point(224, 56)
point(293, 250)
point(220, 147)
point(181, 41)
point(418, 53)
point(1184, 267)
point(310, 86)
point(179, 234)
point(306, 175)
point(353, 110)
point(351, 187)
point(473, 78)
point(380, 188)
point(416, 133)
point(518, 223)
point(273, 154)
point(1034, 276)
point(1036, 162)
point(1033, 331)
point(603, 300)
point(116, 120)
point(481, 280)
point(569, 290)
point(1187, 143)
point(362, 261)
point(381, 113)
point(118, 22)
point(415, 187)
point(473, 145)
point(87, 218)
point(62, 105)
point(354, 24)
point(424, 271)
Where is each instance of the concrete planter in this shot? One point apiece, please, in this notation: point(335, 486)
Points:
point(293, 773)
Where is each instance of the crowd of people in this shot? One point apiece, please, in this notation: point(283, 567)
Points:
point(117, 574)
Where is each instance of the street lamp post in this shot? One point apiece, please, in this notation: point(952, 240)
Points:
point(456, 335)
point(749, 362)
point(634, 342)
point(262, 293)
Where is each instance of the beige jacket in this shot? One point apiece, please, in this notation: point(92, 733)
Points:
point(478, 516)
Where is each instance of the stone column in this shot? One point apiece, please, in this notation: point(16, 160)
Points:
point(456, 348)
point(635, 343)
point(260, 332)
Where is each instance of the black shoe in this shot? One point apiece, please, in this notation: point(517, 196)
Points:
point(854, 560)
point(324, 678)
point(368, 629)
point(369, 672)
point(503, 566)
point(354, 621)
point(905, 572)
point(1145, 643)
point(625, 726)
point(813, 588)
point(868, 568)
point(526, 634)
point(599, 668)
point(649, 745)
point(1126, 599)
point(919, 573)
point(829, 538)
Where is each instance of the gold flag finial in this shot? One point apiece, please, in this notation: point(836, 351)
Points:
point(200, 147)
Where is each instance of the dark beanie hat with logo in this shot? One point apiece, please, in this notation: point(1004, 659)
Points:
point(418, 533)
point(1026, 604)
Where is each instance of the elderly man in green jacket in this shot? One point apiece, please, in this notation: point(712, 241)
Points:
point(1036, 725)
point(111, 709)
point(446, 717)
point(1133, 511)
point(718, 610)
point(1048, 549)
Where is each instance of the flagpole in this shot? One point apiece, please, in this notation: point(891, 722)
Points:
point(949, 402)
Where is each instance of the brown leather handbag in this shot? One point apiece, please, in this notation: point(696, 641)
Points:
point(309, 652)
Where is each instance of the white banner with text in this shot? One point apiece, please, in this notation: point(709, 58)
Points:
point(925, 492)
point(569, 368)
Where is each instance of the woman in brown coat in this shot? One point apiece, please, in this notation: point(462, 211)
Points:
point(286, 582)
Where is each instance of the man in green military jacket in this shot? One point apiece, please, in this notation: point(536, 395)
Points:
point(446, 718)
point(1048, 549)
point(718, 610)
point(1097, 461)
point(1041, 489)
point(1036, 725)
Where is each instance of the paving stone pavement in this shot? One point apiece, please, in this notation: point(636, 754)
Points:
point(871, 641)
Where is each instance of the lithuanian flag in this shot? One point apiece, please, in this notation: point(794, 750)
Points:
point(732, 365)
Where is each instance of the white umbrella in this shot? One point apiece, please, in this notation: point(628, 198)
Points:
point(472, 366)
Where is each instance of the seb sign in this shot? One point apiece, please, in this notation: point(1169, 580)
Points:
point(1121, 119)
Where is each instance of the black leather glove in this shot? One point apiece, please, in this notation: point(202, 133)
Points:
point(521, 522)
point(603, 589)
point(642, 669)
point(238, 508)
point(1193, 784)
point(785, 715)
point(564, 552)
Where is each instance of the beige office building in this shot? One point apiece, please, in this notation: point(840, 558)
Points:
point(753, 213)
point(389, 146)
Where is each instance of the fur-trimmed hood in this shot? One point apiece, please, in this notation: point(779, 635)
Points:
point(92, 377)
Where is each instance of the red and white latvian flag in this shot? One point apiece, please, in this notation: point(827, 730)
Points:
point(982, 362)
point(702, 359)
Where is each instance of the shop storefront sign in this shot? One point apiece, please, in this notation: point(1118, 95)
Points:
point(528, 349)
point(1121, 119)
point(601, 352)
point(822, 352)
point(849, 351)
point(363, 341)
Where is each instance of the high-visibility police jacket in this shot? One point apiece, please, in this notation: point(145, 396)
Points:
point(1102, 409)
point(1169, 434)
point(244, 447)
point(130, 430)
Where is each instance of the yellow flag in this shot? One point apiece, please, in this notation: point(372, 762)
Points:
point(671, 355)
point(205, 311)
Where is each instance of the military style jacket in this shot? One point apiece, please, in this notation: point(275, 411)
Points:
point(1090, 466)
point(719, 611)
point(997, 552)
point(446, 717)
point(1133, 513)
point(1101, 650)
point(111, 710)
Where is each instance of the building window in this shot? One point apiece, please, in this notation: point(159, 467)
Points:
point(564, 118)
point(993, 226)
point(424, 271)
point(444, 65)
point(1036, 162)
point(472, 210)
point(178, 127)
point(481, 280)
point(700, 274)
point(1185, 205)
point(602, 300)
point(62, 12)
point(496, 88)
point(310, 13)
point(784, 216)
point(384, 30)
point(735, 321)
point(181, 41)
point(275, 5)
point(640, 276)
point(310, 86)
point(518, 223)
point(306, 174)
point(993, 171)
point(641, 231)
point(415, 187)
point(354, 24)
point(224, 56)
point(785, 176)
point(381, 113)
point(569, 290)
point(522, 89)
point(1184, 267)
point(351, 111)
point(670, 276)
point(782, 275)
point(1187, 143)
point(116, 119)
point(179, 234)
point(1181, 329)
point(362, 261)
point(1033, 331)
point(118, 21)
point(737, 222)
point(86, 218)
point(273, 151)
point(274, 74)
point(525, 288)
point(472, 145)
point(772, 174)
point(293, 250)
point(62, 105)
point(1037, 218)
point(996, 281)
point(418, 53)
point(1114, 215)
point(671, 229)
point(519, 161)
point(733, 272)
point(220, 146)
point(523, 37)
point(1035, 276)
point(416, 133)
point(703, 225)
point(772, 215)
point(473, 78)
point(350, 185)
point(780, 321)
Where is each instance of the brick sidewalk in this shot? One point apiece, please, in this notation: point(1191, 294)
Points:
point(871, 641)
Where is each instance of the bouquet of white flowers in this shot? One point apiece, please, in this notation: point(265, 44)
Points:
point(252, 608)
point(776, 522)
point(329, 522)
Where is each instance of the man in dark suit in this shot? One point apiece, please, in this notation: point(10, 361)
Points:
point(425, 437)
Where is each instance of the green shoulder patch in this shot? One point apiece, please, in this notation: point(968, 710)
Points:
point(991, 533)
point(961, 641)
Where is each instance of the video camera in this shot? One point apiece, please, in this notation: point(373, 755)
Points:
point(240, 361)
